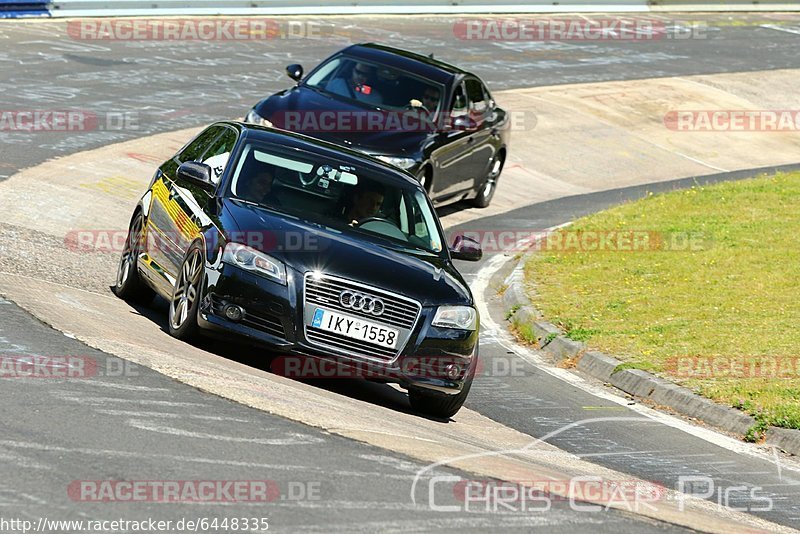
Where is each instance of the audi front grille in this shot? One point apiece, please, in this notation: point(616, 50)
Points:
point(367, 302)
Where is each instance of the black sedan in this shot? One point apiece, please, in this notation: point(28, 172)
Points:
point(309, 250)
point(425, 116)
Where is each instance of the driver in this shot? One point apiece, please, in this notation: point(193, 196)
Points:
point(358, 86)
point(430, 98)
point(258, 186)
point(366, 202)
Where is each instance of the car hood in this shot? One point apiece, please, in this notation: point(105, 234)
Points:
point(305, 246)
point(307, 111)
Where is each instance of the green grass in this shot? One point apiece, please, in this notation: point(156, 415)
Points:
point(733, 294)
point(512, 311)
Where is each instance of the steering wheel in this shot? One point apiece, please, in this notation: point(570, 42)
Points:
point(383, 226)
point(421, 106)
point(362, 222)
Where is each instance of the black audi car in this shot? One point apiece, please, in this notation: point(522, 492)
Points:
point(425, 116)
point(308, 250)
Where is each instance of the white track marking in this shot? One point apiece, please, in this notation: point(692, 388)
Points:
point(106, 400)
point(124, 387)
point(288, 438)
point(776, 27)
point(179, 459)
point(129, 413)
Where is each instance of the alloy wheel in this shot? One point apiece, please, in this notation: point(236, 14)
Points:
point(186, 289)
point(491, 180)
point(130, 252)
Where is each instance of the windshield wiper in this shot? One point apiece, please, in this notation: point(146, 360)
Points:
point(393, 243)
point(259, 205)
point(317, 89)
point(345, 97)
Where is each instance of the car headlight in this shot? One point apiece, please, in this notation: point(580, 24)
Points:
point(253, 260)
point(461, 317)
point(403, 163)
point(255, 118)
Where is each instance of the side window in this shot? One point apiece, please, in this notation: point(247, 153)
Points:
point(459, 105)
point(197, 146)
point(420, 227)
point(218, 153)
point(488, 98)
point(403, 212)
point(325, 73)
point(478, 101)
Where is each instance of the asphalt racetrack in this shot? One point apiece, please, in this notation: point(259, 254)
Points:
point(339, 455)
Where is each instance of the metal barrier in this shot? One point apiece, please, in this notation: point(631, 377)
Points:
point(24, 8)
point(111, 8)
point(337, 7)
point(722, 5)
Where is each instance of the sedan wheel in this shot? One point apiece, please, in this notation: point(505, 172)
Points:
point(128, 284)
point(440, 405)
point(185, 297)
point(486, 193)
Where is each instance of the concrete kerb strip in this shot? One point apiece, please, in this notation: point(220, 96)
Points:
point(552, 341)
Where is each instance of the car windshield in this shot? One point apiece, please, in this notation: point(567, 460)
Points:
point(336, 194)
point(376, 84)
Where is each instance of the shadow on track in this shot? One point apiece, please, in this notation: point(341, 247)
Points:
point(259, 357)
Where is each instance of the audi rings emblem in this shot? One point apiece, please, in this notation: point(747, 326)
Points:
point(359, 302)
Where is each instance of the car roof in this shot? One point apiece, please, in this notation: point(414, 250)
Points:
point(287, 139)
point(425, 66)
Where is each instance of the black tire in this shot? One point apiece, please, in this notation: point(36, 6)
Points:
point(489, 186)
point(439, 405)
point(186, 295)
point(129, 284)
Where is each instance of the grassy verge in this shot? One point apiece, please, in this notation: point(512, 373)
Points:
point(710, 297)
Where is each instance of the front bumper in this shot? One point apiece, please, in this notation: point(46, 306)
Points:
point(433, 358)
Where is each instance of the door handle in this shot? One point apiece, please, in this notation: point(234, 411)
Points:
point(470, 140)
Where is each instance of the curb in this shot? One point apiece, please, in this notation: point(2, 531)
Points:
point(550, 340)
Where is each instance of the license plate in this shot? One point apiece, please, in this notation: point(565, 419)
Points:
point(355, 328)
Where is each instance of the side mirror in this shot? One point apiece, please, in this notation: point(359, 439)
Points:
point(464, 122)
point(295, 72)
point(197, 173)
point(465, 248)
